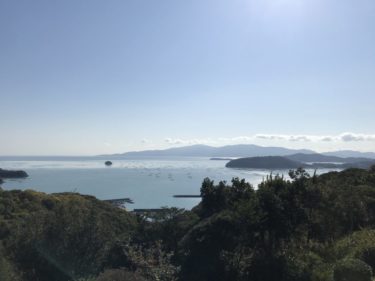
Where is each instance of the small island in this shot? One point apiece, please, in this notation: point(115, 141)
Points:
point(108, 163)
point(10, 174)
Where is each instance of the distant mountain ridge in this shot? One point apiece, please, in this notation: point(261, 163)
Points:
point(351, 153)
point(240, 150)
point(248, 150)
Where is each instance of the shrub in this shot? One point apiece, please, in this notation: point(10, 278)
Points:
point(352, 270)
point(119, 275)
point(358, 245)
point(7, 272)
point(368, 256)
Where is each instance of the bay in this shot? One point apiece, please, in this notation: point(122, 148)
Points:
point(150, 183)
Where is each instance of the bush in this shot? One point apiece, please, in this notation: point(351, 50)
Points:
point(352, 270)
point(119, 275)
point(7, 272)
point(368, 256)
point(358, 245)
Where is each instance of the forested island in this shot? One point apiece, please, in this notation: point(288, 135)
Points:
point(308, 228)
point(300, 160)
point(267, 162)
point(10, 174)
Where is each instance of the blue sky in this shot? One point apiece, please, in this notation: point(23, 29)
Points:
point(92, 77)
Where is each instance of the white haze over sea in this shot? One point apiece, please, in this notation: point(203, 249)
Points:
point(150, 183)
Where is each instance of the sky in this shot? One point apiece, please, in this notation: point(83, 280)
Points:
point(92, 77)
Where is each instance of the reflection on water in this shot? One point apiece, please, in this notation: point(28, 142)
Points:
point(150, 183)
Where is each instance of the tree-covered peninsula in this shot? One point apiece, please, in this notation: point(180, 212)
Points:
point(311, 161)
point(309, 228)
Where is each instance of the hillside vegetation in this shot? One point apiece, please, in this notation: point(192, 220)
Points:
point(309, 228)
point(298, 160)
point(266, 162)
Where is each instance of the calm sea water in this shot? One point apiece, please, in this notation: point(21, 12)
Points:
point(150, 183)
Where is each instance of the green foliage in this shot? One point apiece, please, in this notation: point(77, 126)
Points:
point(359, 245)
point(152, 262)
point(168, 225)
point(206, 241)
point(265, 234)
point(216, 198)
point(119, 275)
point(62, 236)
point(352, 270)
point(7, 271)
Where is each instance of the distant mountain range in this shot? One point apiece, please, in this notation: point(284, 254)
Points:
point(245, 150)
point(240, 150)
point(351, 153)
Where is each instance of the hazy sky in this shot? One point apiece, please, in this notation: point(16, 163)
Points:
point(92, 77)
